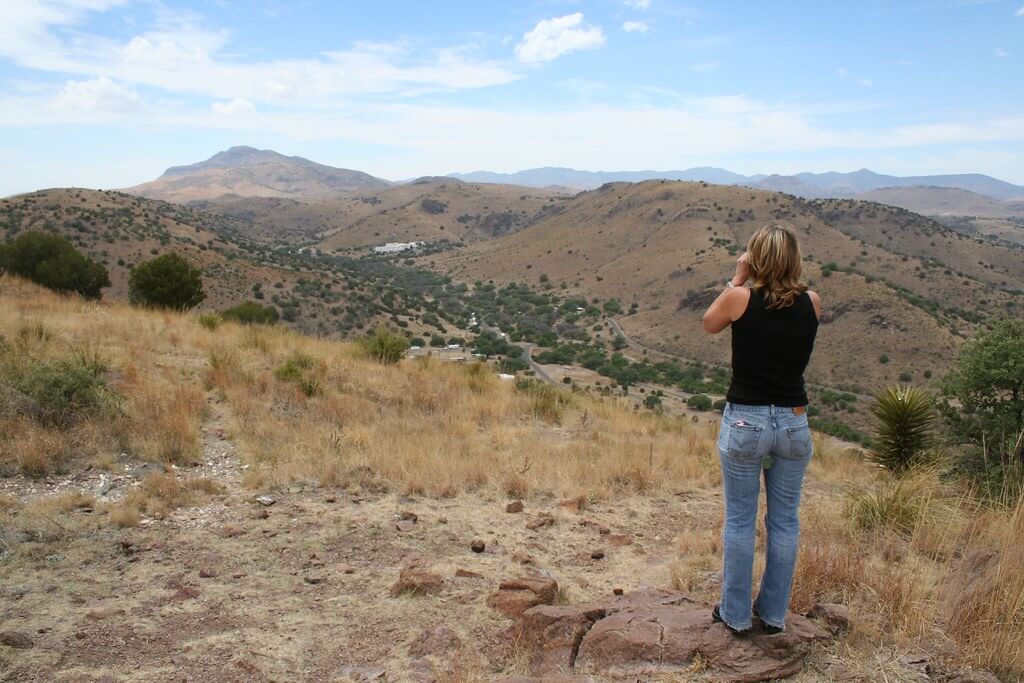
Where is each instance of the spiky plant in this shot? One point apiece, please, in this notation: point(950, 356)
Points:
point(904, 434)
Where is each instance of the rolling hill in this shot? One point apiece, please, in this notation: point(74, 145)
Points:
point(250, 172)
point(896, 285)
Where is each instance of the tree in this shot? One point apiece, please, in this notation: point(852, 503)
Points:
point(699, 402)
point(983, 395)
point(905, 416)
point(168, 281)
point(52, 261)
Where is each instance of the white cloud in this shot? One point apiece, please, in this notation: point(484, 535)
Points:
point(635, 27)
point(234, 107)
point(639, 4)
point(866, 82)
point(552, 38)
point(99, 95)
point(1002, 52)
point(1020, 12)
point(178, 54)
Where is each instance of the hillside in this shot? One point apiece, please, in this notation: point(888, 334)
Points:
point(250, 172)
point(668, 247)
point(930, 201)
point(330, 296)
point(250, 504)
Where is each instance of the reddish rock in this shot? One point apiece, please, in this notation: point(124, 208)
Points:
point(437, 641)
point(514, 506)
point(417, 579)
point(185, 593)
point(408, 516)
point(466, 574)
point(206, 573)
point(477, 546)
point(103, 613)
point(231, 531)
point(599, 528)
point(540, 521)
point(836, 618)
point(597, 554)
point(405, 525)
point(552, 634)
point(518, 595)
point(656, 633)
point(16, 639)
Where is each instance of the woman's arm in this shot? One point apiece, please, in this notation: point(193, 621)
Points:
point(731, 303)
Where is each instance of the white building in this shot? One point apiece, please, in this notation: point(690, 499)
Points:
point(395, 247)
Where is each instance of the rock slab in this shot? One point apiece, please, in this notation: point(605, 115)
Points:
point(655, 633)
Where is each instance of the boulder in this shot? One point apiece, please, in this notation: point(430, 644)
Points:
point(515, 596)
point(16, 639)
point(657, 633)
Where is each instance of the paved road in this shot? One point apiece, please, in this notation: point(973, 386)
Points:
point(538, 370)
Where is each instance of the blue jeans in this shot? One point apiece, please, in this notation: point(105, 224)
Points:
point(777, 442)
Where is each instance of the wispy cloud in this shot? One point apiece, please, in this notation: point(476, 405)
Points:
point(639, 4)
point(552, 38)
point(238, 106)
point(1020, 12)
point(1002, 52)
point(177, 53)
point(97, 96)
point(636, 27)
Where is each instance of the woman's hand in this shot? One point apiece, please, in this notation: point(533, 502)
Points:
point(742, 270)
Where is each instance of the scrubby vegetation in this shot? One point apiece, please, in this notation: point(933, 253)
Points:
point(52, 261)
point(168, 281)
point(252, 313)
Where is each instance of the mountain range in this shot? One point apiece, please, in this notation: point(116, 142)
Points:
point(807, 185)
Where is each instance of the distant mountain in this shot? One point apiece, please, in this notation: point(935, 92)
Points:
point(250, 172)
point(587, 180)
point(807, 185)
point(943, 201)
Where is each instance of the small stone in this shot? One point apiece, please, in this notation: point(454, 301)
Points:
point(238, 575)
point(232, 531)
point(347, 569)
point(597, 555)
point(206, 573)
point(540, 522)
point(514, 506)
point(477, 546)
point(330, 499)
point(436, 642)
point(522, 557)
point(313, 580)
point(408, 515)
point(265, 501)
point(16, 639)
point(617, 591)
point(263, 514)
point(466, 574)
point(103, 613)
point(405, 525)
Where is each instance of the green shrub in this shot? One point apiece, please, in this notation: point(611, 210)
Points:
point(546, 402)
point(897, 504)
point(384, 346)
point(719, 405)
point(904, 435)
point(62, 389)
point(437, 340)
point(699, 402)
point(252, 313)
point(53, 262)
point(211, 321)
point(167, 281)
point(296, 369)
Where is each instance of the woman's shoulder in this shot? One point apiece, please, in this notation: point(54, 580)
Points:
point(815, 301)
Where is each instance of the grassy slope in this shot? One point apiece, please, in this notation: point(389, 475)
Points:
point(930, 573)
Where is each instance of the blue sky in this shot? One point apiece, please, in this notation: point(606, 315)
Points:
point(108, 93)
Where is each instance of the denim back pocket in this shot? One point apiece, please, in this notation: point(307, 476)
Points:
point(798, 443)
point(743, 439)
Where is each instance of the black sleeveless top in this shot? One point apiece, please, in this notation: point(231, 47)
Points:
point(770, 349)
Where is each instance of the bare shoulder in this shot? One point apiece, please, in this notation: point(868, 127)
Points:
point(738, 298)
point(816, 301)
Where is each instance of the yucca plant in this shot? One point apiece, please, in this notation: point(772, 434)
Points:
point(904, 435)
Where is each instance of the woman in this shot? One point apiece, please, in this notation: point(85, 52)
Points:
point(764, 425)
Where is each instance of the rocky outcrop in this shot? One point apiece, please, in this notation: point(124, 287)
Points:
point(654, 633)
point(515, 596)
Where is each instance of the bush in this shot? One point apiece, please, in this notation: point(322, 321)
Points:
point(296, 369)
point(437, 340)
point(384, 346)
point(63, 389)
point(252, 313)
point(433, 206)
point(897, 504)
point(167, 281)
point(211, 321)
point(53, 262)
point(719, 405)
point(905, 416)
point(983, 400)
point(699, 402)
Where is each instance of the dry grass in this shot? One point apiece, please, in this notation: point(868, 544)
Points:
point(920, 564)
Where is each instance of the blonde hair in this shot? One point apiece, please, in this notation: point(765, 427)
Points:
point(775, 265)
